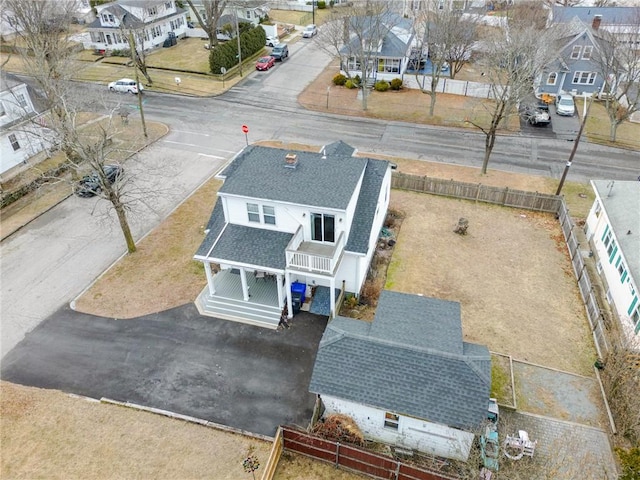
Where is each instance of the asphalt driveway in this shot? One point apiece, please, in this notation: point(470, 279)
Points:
point(233, 374)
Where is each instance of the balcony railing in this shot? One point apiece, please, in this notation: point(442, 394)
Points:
point(314, 257)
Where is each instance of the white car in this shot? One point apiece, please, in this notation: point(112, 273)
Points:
point(272, 41)
point(125, 85)
point(565, 105)
point(309, 31)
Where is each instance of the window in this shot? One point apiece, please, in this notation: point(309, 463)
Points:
point(586, 53)
point(622, 270)
point(391, 420)
point(575, 53)
point(269, 215)
point(168, 6)
point(584, 78)
point(353, 64)
point(611, 250)
point(635, 316)
point(323, 227)
point(607, 239)
point(108, 18)
point(552, 78)
point(152, 11)
point(14, 142)
point(254, 212)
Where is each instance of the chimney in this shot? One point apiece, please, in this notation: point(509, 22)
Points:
point(291, 160)
point(597, 19)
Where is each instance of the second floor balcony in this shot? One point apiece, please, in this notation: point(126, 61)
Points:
point(314, 256)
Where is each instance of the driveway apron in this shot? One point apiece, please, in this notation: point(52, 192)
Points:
point(241, 376)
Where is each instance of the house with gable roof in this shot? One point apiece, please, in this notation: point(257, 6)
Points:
point(613, 231)
point(582, 31)
point(286, 218)
point(152, 21)
point(407, 378)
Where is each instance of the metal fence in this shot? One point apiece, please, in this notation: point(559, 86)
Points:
point(475, 191)
point(354, 458)
point(447, 85)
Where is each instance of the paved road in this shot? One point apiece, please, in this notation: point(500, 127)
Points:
point(241, 376)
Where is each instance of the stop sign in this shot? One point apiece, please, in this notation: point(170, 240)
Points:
point(245, 129)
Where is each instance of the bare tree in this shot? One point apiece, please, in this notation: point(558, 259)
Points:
point(618, 58)
point(446, 38)
point(564, 3)
point(511, 59)
point(135, 31)
point(355, 33)
point(213, 10)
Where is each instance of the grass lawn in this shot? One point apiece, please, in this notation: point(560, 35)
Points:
point(598, 126)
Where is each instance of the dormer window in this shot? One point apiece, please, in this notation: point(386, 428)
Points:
point(152, 11)
point(586, 53)
point(108, 18)
point(575, 53)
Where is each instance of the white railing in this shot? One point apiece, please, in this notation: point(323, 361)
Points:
point(314, 262)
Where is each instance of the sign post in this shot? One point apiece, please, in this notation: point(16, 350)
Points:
point(245, 130)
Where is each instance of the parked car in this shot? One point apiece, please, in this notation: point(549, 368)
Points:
point(309, 31)
point(90, 185)
point(265, 63)
point(125, 85)
point(535, 115)
point(280, 52)
point(272, 41)
point(565, 105)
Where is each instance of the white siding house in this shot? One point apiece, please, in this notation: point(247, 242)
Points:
point(151, 20)
point(407, 379)
point(613, 230)
point(20, 136)
point(285, 217)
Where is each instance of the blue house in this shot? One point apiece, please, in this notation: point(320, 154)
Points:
point(584, 30)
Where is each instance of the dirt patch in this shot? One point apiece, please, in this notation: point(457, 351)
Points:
point(511, 273)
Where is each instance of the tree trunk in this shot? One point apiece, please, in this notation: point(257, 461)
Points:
point(489, 142)
point(613, 130)
point(432, 102)
point(124, 225)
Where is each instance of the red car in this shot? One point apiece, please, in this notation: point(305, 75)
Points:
point(265, 63)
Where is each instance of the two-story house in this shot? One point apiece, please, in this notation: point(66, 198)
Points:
point(581, 35)
point(613, 231)
point(152, 21)
point(407, 379)
point(22, 132)
point(291, 217)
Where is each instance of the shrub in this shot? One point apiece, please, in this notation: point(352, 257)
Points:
point(370, 292)
point(350, 302)
point(339, 79)
point(322, 5)
point(396, 84)
point(350, 84)
point(356, 80)
point(381, 86)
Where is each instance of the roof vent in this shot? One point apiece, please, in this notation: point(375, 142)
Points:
point(291, 160)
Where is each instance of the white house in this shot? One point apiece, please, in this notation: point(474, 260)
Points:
point(151, 20)
point(20, 136)
point(613, 230)
point(251, 11)
point(287, 217)
point(407, 378)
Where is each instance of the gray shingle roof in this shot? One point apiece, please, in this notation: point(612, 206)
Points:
point(610, 15)
point(366, 207)
point(338, 148)
point(405, 373)
point(260, 172)
point(214, 227)
point(621, 201)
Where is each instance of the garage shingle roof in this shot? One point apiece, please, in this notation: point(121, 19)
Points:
point(410, 363)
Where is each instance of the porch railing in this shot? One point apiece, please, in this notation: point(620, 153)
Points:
point(314, 262)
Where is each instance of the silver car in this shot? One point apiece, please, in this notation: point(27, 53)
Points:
point(125, 85)
point(309, 31)
point(565, 105)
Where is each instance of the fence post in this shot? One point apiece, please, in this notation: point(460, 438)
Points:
point(466, 87)
point(337, 454)
point(504, 199)
point(397, 469)
point(478, 192)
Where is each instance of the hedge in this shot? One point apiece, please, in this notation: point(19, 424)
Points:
point(226, 54)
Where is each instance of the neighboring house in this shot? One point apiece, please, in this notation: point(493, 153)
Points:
point(247, 11)
point(388, 51)
point(613, 230)
point(284, 217)
point(22, 133)
point(407, 378)
point(151, 21)
point(581, 31)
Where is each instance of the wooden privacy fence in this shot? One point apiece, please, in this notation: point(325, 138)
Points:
point(353, 458)
point(542, 202)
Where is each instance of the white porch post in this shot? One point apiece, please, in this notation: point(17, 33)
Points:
point(209, 273)
point(287, 285)
point(332, 298)
point(280, 300)
point(245, 287)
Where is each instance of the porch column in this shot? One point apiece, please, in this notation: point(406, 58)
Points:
point(209, 273)
point(287, 285)
point(332, 298)
point(280, 292)
point(245, 287)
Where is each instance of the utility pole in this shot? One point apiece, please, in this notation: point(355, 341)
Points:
point(132, 47)
point(575, 147)
point(235, 7)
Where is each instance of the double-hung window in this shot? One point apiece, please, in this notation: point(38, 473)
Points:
point(323, 227)
point(253, 211)
point(552, 78)
point(587, 52)
point(575, 52)
point(14, 142)
point(269, 214)
point(584, 78)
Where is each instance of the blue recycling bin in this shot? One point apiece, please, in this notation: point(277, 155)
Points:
point(297, 295)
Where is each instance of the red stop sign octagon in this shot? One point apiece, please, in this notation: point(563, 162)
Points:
point(245, 129)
